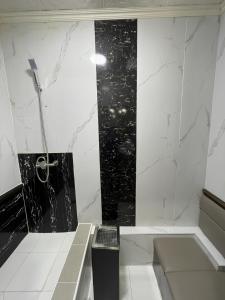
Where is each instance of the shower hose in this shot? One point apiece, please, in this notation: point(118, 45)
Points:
point(42, 162)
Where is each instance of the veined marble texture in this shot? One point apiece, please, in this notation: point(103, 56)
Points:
point(215, 175)
point(9, 167)
point(13, 223)
point(136, 249)
point(175, 85)
point(175, 66)
point(197, 91)
point(63, 53)
point(116, 42)
point(51, 206)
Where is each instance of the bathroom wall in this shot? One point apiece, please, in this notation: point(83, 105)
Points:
point(175, 74)
point(176, 66)
point(215, 177)
point(9, 167)
point(13, 225)
point(62, 52)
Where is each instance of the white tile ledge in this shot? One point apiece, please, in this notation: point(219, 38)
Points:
point(211, 250)
point(83, 259)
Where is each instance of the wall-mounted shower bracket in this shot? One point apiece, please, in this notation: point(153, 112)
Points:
point(43, 164)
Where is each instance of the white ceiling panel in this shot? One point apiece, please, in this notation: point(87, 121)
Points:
point(149, 3)
point(38, 5)
point(193, 2)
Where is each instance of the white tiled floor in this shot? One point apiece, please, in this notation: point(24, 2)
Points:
point(136, 283)
point(32, 271)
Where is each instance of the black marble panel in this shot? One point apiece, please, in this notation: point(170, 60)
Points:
point(13, 224)
point(51, 206)
point(117, 89)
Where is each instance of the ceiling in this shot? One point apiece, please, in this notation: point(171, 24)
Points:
point(40, 5)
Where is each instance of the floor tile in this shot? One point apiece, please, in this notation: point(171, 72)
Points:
point(33, 273)
point(125, 285)
point(143, 283)
point(45, 296)
point(28, 296)
point(10, 267)
point(55, 272)
point(49, 242)
point(28, 243)
point(67, 242)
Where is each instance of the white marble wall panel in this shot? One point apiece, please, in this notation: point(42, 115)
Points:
point(176, 59)
point(175, 84)
point(215, 175)
point(9, 167)
point(68, 77)
point(160, 61)
point(136, 249)
point(197, 90)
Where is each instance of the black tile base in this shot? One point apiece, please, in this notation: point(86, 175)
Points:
point(51, 206)
point(13, 224)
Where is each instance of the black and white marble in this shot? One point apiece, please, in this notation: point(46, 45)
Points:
point(65, 70)
point(51, 206)
point(13, 223)
point(116, 89)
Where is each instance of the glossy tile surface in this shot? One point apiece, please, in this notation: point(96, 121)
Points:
point(143, 283)
point(116, 43)
point(176, 67)
point(136, 282)
point(215, 174)
point(28, 296)
point(8, 270)
point(9, 168)
point(173, 111)
point(63, 52)
point(31, 274)
point(13, 223)
point(51, 207)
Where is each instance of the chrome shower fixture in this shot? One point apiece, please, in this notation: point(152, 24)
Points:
point(34, 69)
point(42, 161)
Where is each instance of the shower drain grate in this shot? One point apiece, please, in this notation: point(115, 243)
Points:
point(107, 237)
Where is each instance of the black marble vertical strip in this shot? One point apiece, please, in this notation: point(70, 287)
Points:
point(13, 223)
point(117, 89)
point(51, 206)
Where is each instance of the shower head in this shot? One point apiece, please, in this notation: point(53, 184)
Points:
point(34, 69)
point(32, 63)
